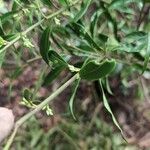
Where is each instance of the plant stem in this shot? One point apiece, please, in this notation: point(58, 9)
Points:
point(35, 25)
point(140, 16)
point(10, 44)
point(37, 109)
point(68, 138)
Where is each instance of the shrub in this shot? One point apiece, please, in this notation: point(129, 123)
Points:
point(90, 39)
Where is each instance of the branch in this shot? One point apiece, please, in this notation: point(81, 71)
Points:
point(37, 109)
point(36, 25)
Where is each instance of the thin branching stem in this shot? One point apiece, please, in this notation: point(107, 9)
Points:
point(19, 36)
point(37, 109)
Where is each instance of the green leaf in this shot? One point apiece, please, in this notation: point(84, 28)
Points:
point(63, 2)
point(53, 74)
point(108, 87)
point(47, 2)
point(147, 53)
point(135, 36)
point(79, 30)
point(61, 31)
point(83, 10)
point(138, 56)
point(94, 71)
point(59, 64)
point(27, 94)
point(7, 16)
point(25, 1)
point(134, 42)
point(112, 20)
point(106, 104)
point(94, 21)
point(146, 1)
point(121, 6)
point(103, 38)
point(71, 101)
point(56, 59)
point(1, 30)
point(45, 44)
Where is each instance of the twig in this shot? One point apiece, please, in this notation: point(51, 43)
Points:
point(36, 25)
point(143, 14)
point(37, 109)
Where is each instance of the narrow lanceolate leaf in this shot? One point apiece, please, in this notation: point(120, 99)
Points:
point(94, 20)
point(79, 30)
point(53, 74)
point(56, 59)
point(147, 53)
point(47, 2)
point(71, 102)
point(83, 10)
point(106, 104)
point(108, 87)
point(45, 44)
point(135, 36)
point(58, 65)
point(94, 71)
